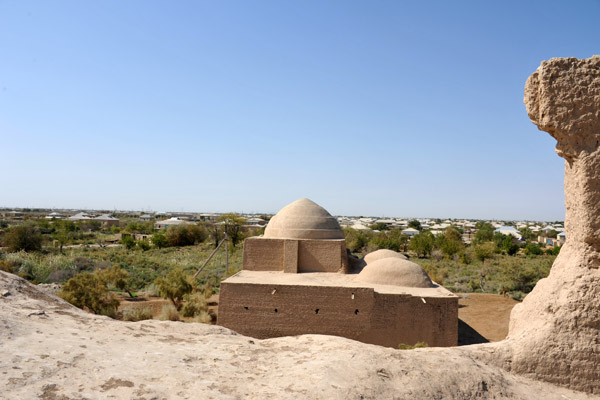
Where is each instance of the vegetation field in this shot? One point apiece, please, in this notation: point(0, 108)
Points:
point(92, 263)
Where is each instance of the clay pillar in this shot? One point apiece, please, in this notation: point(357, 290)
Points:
point(554, 332)
point(563, 98)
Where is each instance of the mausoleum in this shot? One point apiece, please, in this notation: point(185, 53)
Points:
point(298, 278)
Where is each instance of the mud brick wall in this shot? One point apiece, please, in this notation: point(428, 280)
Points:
point(292, 256)
point(266, 311)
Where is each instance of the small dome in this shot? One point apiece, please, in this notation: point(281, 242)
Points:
point(395, 271)
point(381, 254)
point(303, 219)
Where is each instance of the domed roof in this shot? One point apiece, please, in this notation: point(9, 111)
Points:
point(395, 271)
point(381, 254)
point(303, 219)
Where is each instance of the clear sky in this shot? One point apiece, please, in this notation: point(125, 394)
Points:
point(383, 108)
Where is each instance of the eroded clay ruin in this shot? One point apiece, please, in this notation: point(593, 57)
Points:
point(554, 334)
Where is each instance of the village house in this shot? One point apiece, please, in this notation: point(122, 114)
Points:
point(173, 221)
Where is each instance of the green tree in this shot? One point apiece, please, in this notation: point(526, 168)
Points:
point(414, 224)
point(485, 233)
point(25, 237)
point(380, 226)
point(532, 249)
point(450, 242)
point(422, 244)
point(144, 244)
point(391, 240)
point(484, 251)
point(232, 224)
point(527, 234)
point(128, 242)
point(186, 235)
point(159, 240)
point(356, 240)
point(509, 246)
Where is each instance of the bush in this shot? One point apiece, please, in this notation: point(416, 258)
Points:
point(6, 266)
point(91, 291)
point(169, 313)
point(159, 240)
point(30, 266)
point(24, 237)
point(417, 345)
point(193, 304)
point(186, 235)
point(532, 249)
point(144, 244)
point(84, 264)
point(553, 251)
point(128, 242)
point(203, 317)
point(87, 290)
point(137, 314)
point(484, 251)
point(174, 287)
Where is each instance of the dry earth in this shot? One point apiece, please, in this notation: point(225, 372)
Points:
point(486, 313)
point(52, 350)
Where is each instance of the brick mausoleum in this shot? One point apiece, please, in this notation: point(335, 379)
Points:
point(298, 278)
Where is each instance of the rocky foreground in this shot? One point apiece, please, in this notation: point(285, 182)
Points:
point(52, 350)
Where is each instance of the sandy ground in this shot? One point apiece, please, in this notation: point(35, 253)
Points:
point(52, 350)
point(486, 313)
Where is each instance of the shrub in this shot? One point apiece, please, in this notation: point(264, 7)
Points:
point(417, 345)
point(484, 251)
point(137, 314)
point(87, 290)
point(128, 242)
point(144, 244)
point(186, 235)
point(6, 266)
point(24, 237)
point(532, 249)
point(553, 251)
point(174, 287)
point(91, 291)
point(169, 313)
point(193, 304)
point(203, 317)
point(84, 264)
point(60, 275)
point(159, 240)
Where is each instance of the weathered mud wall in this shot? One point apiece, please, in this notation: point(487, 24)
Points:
point(554, 334)
point(265, 311)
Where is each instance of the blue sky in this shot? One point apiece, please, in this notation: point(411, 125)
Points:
point(383, 108)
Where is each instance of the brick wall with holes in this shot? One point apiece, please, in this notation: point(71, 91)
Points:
point(265, 311)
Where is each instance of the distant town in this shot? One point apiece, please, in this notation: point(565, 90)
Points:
point(548, 233)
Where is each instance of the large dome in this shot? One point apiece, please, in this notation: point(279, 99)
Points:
point(303, 219)
point(395, 271)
